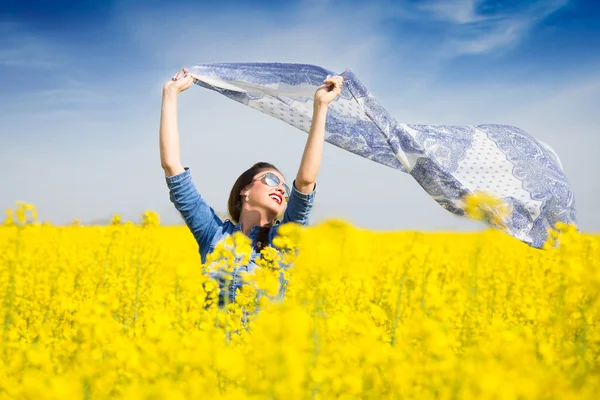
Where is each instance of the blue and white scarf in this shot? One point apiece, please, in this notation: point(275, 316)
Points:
point(449, 162)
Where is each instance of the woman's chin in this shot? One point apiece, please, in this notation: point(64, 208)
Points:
point(272, 209)
point(275, 211)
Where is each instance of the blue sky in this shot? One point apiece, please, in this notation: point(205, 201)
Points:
point(79, 109)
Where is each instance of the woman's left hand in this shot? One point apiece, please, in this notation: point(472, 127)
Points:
point(324, 96)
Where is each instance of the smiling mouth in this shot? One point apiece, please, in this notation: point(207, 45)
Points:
point(277, 198)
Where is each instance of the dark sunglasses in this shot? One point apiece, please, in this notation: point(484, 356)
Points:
point(272, 180)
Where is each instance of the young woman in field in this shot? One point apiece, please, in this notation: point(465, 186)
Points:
point(259, 196)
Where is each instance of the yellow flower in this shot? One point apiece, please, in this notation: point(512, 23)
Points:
point(9, 220)
point(150, 219)
point(484, 206)
point(123, 311)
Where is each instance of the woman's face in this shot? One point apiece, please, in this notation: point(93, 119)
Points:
point(261, 195)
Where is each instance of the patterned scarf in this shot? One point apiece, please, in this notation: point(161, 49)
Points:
point(455, 165)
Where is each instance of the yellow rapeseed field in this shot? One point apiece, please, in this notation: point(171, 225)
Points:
point(124, 311)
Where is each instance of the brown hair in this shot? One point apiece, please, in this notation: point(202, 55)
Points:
point(234, 204)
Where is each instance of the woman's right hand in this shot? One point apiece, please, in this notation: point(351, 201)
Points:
point(181, 81)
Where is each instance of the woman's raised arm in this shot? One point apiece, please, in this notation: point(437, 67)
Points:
point(313, 151)
point(169, 132)
point(198, 216)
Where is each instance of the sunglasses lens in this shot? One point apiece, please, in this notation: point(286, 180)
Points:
point(273, 181)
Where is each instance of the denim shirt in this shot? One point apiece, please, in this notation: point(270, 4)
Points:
point(208, 229)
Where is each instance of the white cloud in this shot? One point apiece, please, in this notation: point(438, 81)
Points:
point(21, 49)
point(458, 11)
point(481, 27)
point(336, 37)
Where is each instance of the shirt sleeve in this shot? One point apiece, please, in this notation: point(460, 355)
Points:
point(299, 206)
point(198, 216)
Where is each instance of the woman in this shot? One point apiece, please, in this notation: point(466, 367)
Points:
point(259, 196)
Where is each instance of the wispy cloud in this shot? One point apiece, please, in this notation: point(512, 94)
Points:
point(21, 49)
point(457, 11)
point(304, 33)
point(47, 75)
point(480, 26)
